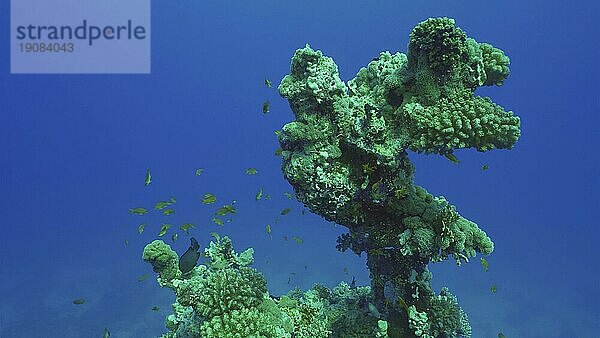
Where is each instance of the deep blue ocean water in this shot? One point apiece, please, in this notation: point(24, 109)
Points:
point(74, 150)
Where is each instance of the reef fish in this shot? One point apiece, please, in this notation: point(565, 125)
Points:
point(148, 179)
point(189, 259)
point(106, 333)
point(452, 158)
point(79, 301)
point(138, 211)
point(164, 228)
point(209, 199)
point(485, 264)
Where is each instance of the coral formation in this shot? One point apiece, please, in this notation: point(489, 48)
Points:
point(227, 298)
point(346, 156)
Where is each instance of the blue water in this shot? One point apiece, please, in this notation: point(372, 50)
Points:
point(74, 151)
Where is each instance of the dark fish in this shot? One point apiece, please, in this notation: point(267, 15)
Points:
point(353, 283)
point(189, 259)
point(78, 301)
point(452, 158)
point(155, 308)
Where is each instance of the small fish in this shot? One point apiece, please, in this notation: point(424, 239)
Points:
point(403, 304)
point(199, 171)
point(452, 158)
point(126, 242)
point(141, 228)
point(278, 152)
point(251, 171)
point(186, 227)
point(155, 308)
point(266, 107)
point(106, 333)
point(288, 195)
point(494, 288)
point(148, 179)
point(285, 211)
point(190, 257)
point(142, 277)
point(209, 199)
point(78, 301)
point(138, 211)
point(373, 310)
point(303, 211)
point(501, 335)
point(164, 228)
point(297, 239)
point(484, 263)
point(485, 167)
point(259, 194)
point(174, 237)
point(285, 238)
point(375, 186)
point(353, 283)
point(228, 220)
point(345, 270)
point(215, 236)
point(168, 212)
point(268, 83)
point(268, 229)
point(162, 205)
point(217, 221)
point(173, 200)
point(226, 209)
point(292, 274)
point(267, 197)
point(306, 267)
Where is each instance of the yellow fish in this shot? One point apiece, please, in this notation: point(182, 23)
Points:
point(164, 228)
point(209, 199)
point(484, 263)
point(138, 211)
point(268, 229)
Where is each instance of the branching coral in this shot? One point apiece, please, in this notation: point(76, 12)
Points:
point(346, 155)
